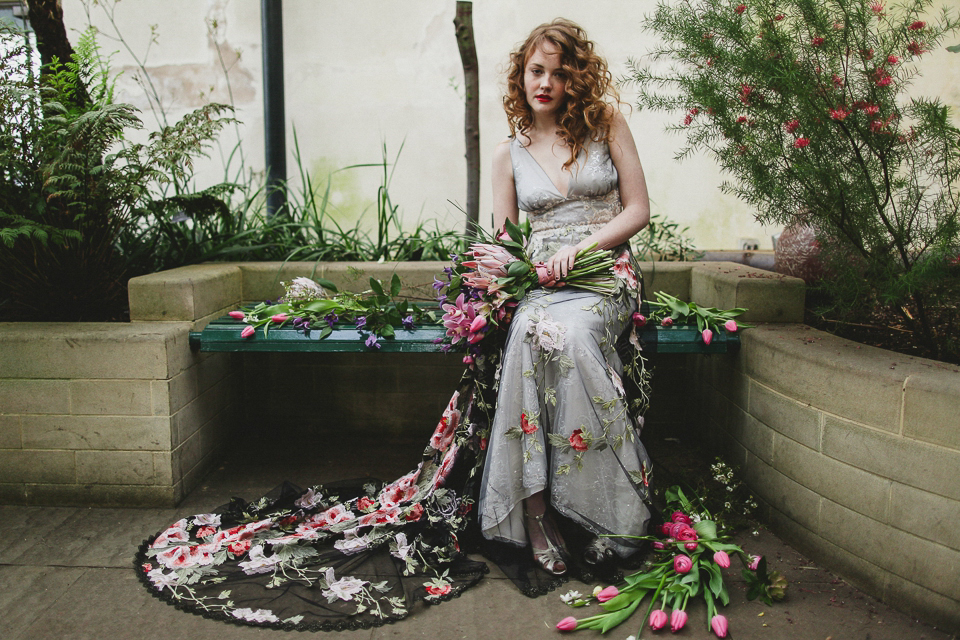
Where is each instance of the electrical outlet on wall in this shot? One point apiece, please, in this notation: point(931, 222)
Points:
point(749, 244)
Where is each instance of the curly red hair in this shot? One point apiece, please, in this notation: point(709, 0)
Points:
point(586, 112)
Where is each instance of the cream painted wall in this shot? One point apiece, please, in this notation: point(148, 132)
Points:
point(365, 73)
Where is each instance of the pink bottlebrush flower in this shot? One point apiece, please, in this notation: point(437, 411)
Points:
point(687, 119)
point(892, 59)
point(792, 126)
point(745, 91)
point(247, 332)
point(722, 559)
point(740, 8)
point(567, 624)
point(677, 619)
point(916, 49)
point(778, 17)
point(682, 563)
point(666, 322)
point(838, 113)
point(742, 119)
point(816, 42)
point(884, 80)
point(639, 320)
point(658, 619)
point(754, 562)
point(800, 143)
point(837, 81)
point(280, 318)
point(917, 26)
point(877, 8)
point(871, 109)
point(237, 315)
point(867, 54)
point(707, 335)
point(730, 325)
point(719, 625)
point(609, 593)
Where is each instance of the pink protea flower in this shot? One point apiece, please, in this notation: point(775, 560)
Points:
point(489, 259)
point(707, 336)
point(682, 564)
point(658, 619)
point(567, 624)
point(722, 559)
point(719, 625)
point(237, 315)
point(730, 325)
point(609, 593)
point(247, 332)
point(677, 619)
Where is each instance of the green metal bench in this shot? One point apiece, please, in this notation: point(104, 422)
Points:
point(223, 335)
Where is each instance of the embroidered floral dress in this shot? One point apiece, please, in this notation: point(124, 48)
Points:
point(562, 422)
point(341, 556)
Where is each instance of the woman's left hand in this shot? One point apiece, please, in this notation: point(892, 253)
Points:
point(560, 264)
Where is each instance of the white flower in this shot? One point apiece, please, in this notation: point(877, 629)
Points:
point(344, 588)
point(177, 532)
point(260, 615)
point(161, 579)
point(548, 335)
point(570, 596)
point(258, 563)
point(207, 519)
point(351, 543)
point(403, 547)
point(309, 499)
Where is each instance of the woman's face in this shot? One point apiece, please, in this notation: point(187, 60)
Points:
point(544, 80)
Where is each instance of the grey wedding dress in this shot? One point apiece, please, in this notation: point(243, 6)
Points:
point(562, 422)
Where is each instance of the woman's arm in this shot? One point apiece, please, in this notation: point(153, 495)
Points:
point(633, 197)
point(504, 190)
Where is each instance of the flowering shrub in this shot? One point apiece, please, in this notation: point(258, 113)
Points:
point(692, 548)
point(802, 103)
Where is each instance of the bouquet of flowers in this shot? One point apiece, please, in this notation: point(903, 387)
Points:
point(317, 305)
point(485, 288)
point(668, 310)
point(692, 549)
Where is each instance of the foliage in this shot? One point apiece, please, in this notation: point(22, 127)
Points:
point(803, 103)
point(663, 240)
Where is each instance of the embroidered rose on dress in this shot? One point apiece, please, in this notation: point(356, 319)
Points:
point(259, 562)
point(447, 428)
point(208, 519)
point(576, 440)
point(547, 334)
point(260, 615)
point(624, 270)
point(344, 588)
point(527, 425)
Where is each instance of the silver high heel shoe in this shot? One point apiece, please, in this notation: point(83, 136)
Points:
point(551, 558)
point(599, 550)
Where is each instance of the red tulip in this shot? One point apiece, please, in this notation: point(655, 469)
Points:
point(237, 315)
point(677, 619)
point(707, 336)
point(567, 624)
point(722, 559)
point(247, 332)
point(719, 625)
point(609, 593)
point(682, 563)
point(658, 619)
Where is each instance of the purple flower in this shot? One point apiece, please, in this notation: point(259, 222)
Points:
point(438, 284)
point(371, 342)
point(448, 271)
point(361, 322)
point(297, 322)
point(407, 322)
point(441, 298)
point(331, 319)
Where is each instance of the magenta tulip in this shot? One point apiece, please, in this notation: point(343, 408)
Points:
point(722, 559)
point(609, 593)
point(658, 619)
point(682, 563)
point(280, 318)
point(707, 336)
point(237, 315)
point(754, 563)
point(659, 546)
point(680, 516)
point(567, 624)
point(639, 319)
point(730, 325)
point(691, 546)
point(677, 619)
point(719, 625)
point(468, 359)
point(247, 332)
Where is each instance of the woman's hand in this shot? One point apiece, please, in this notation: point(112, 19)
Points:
point(560, 264)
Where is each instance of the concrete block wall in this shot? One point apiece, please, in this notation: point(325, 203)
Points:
point(854, 453)
point(106, 413)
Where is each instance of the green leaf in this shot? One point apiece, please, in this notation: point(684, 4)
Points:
point(387, 331)
point(615, 618)
point(376, 286)
point(624, 599)
point(325, 332)
point(517, 269)
point(706, 529)
point(326, 284)
point(395, 285)
point(954, 49)
point(514, 232)
point(321, 306)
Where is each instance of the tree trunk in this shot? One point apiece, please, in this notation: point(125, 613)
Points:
point(46, 19)
point(471, 124)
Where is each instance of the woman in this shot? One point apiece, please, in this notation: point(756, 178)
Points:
point(351, 556)
point(572, 165)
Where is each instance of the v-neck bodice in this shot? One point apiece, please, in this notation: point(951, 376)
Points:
point(592, 198)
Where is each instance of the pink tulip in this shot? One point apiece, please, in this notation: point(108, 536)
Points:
point(730, 325)
point(707, 336)
point(237, 315)
point(247, 332)
point(719, 625)
point(567, 624)
point(468, 359)
point(682, 563)
point(609, 593)
point(691, 546)
point(639, 319)
point(677, 619)
point(659, 546)
point(666, 322)
point(722, 559)
point(658, 619)
point(280, 318)
point(754, 562)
